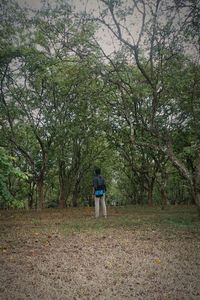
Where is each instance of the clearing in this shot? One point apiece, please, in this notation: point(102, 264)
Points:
point(136, 253)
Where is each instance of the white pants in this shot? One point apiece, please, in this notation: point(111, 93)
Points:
point(101, 201)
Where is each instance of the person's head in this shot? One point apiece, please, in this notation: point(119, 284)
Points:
point(97, 171)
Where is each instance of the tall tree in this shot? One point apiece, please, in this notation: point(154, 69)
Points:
point(156, 45)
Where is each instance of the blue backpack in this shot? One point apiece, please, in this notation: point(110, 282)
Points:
point(99, 186)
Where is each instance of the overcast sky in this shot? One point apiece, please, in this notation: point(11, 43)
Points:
point(79, 4)
point(104, 37)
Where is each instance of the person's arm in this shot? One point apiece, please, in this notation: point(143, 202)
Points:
point(104, 184)
point(93, 189)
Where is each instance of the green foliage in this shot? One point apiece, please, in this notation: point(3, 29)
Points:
point(7, 170)
point(65, 109)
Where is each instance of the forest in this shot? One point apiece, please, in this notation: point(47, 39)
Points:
point(109, 84)
point(68, 103)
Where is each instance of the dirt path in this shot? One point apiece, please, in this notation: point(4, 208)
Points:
point(119, 263)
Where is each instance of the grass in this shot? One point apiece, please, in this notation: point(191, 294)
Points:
point(136, 253)
point(71, 220)
point(136, 247)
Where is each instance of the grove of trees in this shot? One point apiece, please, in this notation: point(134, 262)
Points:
point(67, 105)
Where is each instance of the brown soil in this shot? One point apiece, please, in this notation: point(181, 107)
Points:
point(141, 262)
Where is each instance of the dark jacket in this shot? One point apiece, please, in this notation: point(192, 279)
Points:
point(99, 183)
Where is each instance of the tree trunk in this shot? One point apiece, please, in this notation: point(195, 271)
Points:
point(194, 180)
point(62, 196)
point(40, 181)
point(162, 186)
point(197, 201)
point(76, 191)
point(62, 181)
point(74, 199)
point(40, 190)
point(30, 194)
point(75, 194)
point(150, 191)
point(164, 197)
point(150, 196)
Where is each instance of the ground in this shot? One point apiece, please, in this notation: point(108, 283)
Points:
point(136, 253)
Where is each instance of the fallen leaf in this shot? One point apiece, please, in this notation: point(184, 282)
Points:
point(157, 261)
point(108, 265)
point(36, 233)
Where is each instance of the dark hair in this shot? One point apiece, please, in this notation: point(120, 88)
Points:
point(97, 171)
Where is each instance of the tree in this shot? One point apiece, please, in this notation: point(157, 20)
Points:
point(46, 91)
point(160, 43)
point(7, 169)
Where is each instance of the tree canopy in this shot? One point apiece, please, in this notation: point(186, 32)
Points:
point(67, 105)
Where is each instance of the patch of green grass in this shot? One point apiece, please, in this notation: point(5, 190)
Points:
point(127, 222)
point(184, 222)
point(68, 220)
